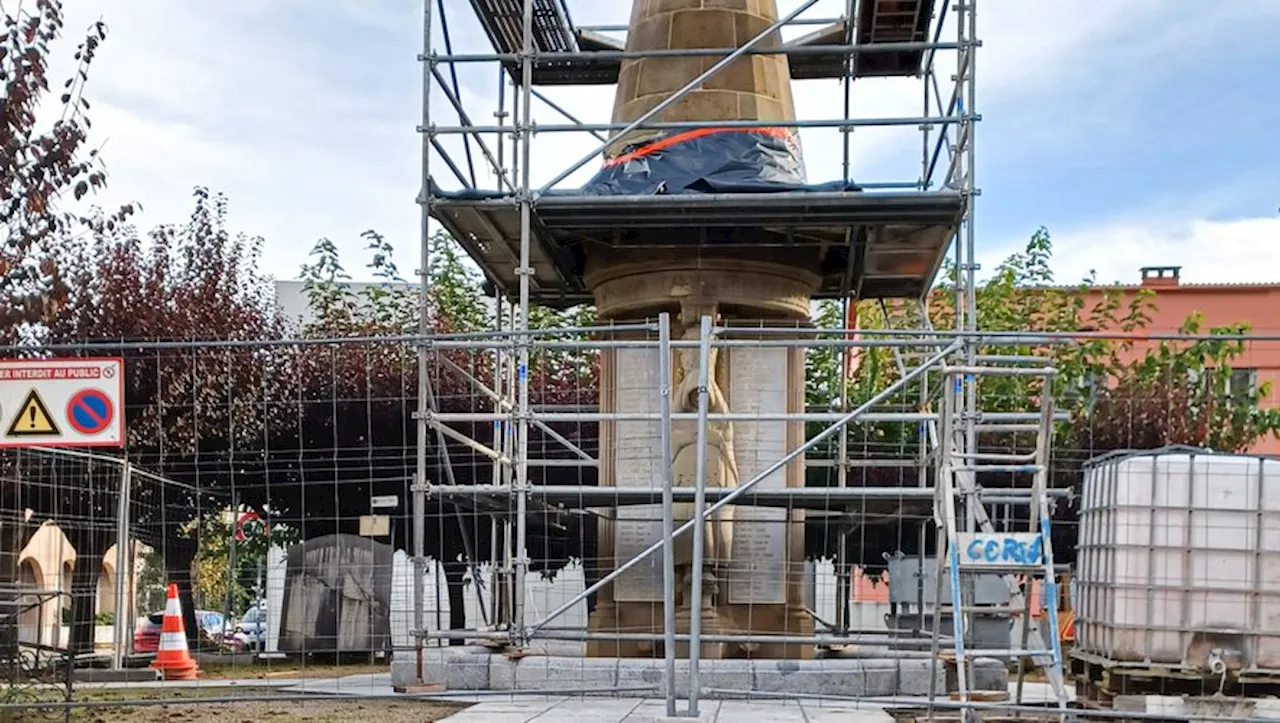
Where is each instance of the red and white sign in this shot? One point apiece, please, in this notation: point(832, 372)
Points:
point(61, 403)
point(254, 524)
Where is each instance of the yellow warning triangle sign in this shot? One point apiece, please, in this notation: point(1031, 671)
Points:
point(33, 419)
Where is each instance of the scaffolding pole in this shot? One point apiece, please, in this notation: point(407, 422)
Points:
point(742, 489)
point(825, 417)
point(525, 136)
point(623, 128)
point(512, 417)
point(419, 488)
point(668, 522)
point(700, 515)
point(123, 611)
point(854, 49)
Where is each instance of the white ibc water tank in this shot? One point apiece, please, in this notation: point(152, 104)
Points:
point(1179, 561)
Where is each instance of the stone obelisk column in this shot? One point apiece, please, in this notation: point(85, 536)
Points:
point(754, 88)
point(759, 588)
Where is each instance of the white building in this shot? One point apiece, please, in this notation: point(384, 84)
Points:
point(291, 296)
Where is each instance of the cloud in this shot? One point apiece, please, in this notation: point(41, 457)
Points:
point(267, 103)
point(1241, 250)
point(304, 112)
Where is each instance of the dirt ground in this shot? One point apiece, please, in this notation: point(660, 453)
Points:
point(184, 710)
point(285, 712)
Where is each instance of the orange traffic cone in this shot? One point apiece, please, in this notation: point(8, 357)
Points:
point(173, 659)
point(1068, 623)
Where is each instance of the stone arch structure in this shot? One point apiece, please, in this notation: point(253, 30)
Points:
point(48, 561)
point(107, 582)
point(30, 577)
point(48, 556)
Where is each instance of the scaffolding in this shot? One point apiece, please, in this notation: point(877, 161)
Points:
point(885, 240)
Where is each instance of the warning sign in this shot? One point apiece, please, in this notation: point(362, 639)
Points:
point(32, 419)
point(62, 402)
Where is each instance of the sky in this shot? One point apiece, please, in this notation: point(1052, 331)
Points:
point(1138, 132)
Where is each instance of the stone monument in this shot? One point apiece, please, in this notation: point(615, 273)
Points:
point(721, 470)
point(754, 557)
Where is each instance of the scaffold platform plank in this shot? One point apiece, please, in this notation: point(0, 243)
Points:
point(892, 243)
point(879, 22)
point(503, 23)
point(892, 21)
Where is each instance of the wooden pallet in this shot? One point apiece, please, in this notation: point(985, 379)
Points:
point(1098, 683)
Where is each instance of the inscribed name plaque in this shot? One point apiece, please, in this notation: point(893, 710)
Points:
point(758, 385)
point(637, 449)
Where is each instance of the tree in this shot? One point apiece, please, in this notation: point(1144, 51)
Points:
point(151, 585)
point(1180, 393)
point(455, 305)
point(194, 282)
point(214, 576)
point(194, 414)
point(40, 169)
point(1118, 396)
point(1107, 386)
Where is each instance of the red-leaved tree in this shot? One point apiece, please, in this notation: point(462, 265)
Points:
point(41, 168)
point(46, 166)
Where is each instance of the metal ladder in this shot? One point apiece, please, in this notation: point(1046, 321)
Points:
point(978, 548)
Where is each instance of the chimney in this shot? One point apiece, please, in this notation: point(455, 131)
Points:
point(1160, 277)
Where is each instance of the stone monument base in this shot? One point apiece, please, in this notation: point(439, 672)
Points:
point(613, 617)
point(473, 668)
point(712, 624)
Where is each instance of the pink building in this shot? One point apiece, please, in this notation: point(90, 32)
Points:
point(1222, 304)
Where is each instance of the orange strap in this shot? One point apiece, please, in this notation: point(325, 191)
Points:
point(665, 143)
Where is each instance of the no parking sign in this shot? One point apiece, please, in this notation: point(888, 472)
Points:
point(90, 411)
point(250, 523)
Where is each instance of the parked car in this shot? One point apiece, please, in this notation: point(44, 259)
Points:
point(251, 632)
point(146, 638)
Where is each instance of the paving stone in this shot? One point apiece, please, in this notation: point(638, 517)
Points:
point(655, 711)
point(847, 715)
point(749, 711)
point(581, 710)
point(534, 709)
